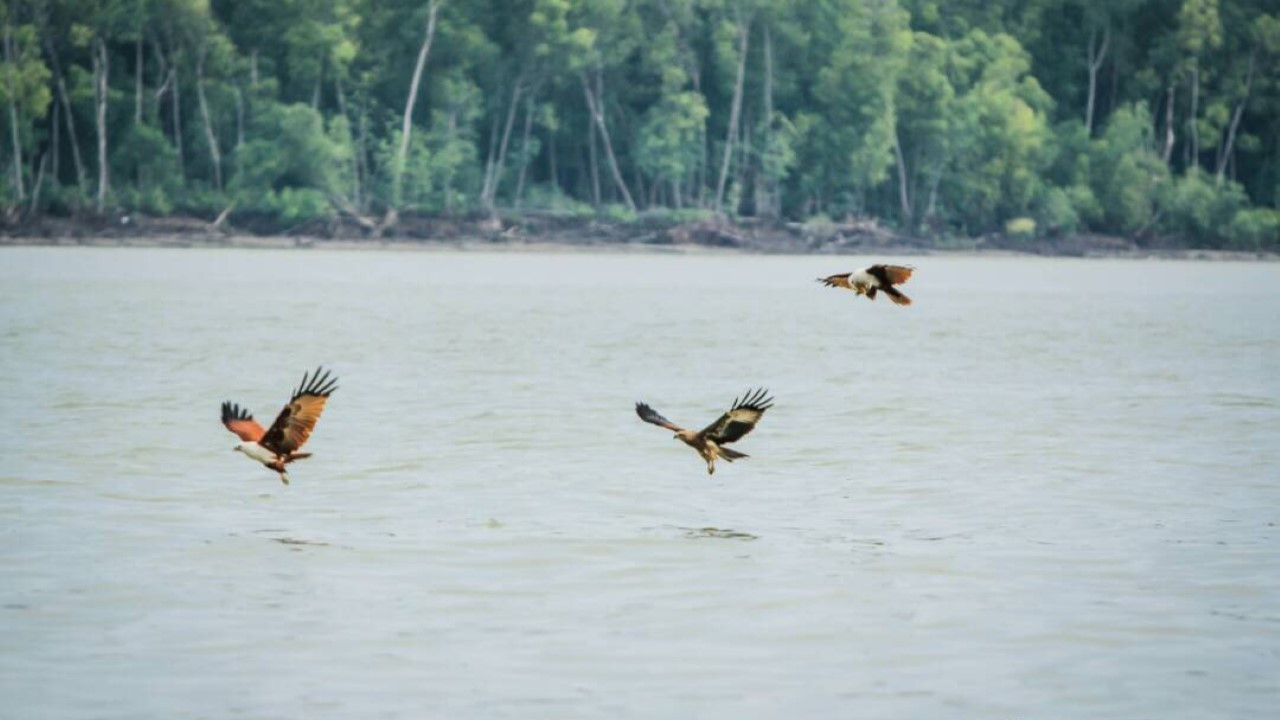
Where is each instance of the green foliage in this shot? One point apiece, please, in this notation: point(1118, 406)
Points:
point(288, 164)
point(1056, 213)
point(856, 90)
point(1255, 229)
point(1126, 173)
point(149, 163)
point(669, 144)
point(948, 118)
point(1196, 209)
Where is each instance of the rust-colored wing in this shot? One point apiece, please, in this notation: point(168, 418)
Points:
point(741, 418)
point(294, 423)
point(650, 415)
point(840, 281)
point(895, 274)
point(239, 421)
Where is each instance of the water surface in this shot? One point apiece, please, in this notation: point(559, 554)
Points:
point(1047, 489)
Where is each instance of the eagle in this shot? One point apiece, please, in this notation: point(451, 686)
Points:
point(709, 442)
point(876, 278)
point(279, 445)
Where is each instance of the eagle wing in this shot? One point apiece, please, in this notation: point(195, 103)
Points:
point(896, 274)
point(239, 421)
point(294, 423)
point(741, 418)
point(840, 281)
point(652, 416)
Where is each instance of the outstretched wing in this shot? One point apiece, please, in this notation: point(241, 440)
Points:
point(895, 274)
point(294, 423)
point(650, 415)
point(239, 421)
point(840, 281)
point(741, 418)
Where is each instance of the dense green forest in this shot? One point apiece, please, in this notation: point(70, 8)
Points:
point(1155, 119)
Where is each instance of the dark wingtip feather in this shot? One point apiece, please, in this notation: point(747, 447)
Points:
point(321, 383)
point(756, 399)
point(232, 411)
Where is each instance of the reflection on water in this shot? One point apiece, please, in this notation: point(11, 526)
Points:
point(710, 532)
point(1047, 484)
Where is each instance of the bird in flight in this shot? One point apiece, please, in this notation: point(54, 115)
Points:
point(709, 442)
point(279, 445)
point(876, 278)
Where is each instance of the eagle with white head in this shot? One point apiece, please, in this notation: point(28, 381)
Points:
point(278, 446)
point(873, 279)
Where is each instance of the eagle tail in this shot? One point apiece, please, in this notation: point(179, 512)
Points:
point(896, 295)
point(297, 456)
point(730, 455)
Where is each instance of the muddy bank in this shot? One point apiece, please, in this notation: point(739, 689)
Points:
point(549, 232)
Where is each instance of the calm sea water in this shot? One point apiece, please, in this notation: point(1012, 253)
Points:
point(1050, 488)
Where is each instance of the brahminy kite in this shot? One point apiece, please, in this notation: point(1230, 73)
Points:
point(709, 442)
point(870, 280)
point(278, 446)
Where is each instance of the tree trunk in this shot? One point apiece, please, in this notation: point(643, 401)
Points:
point(1229, 145)
point(766, 201)
point(39, 182)
point(594, 162)
point(11, 61)
point(1097, 55)
point(489, 159)
point(100, 72)
point(65, 101)
point(904, 198)
point(551, 160)
point(355, 158)
point(704, 154)
point(406, 127)
point(1167, 154)
point(448, 179)
point(239, 94)
point(137, 80)
point(362, 150)
point(315, 91)
point(163, 79)
point(932, 208)
point(490, 190)
point(55, 141)
point(176, 103)
point(524, 150)
point(1194, 134)
point(215, 156)
point(595, 103)
point(744, 35)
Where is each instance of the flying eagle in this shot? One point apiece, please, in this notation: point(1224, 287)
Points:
point(278, 446)
point(709, 442)
point(869, 280)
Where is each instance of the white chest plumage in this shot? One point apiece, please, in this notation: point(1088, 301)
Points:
point(256, 452)
point(862, 278)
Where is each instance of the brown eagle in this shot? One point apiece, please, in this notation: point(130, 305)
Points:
point(876, 278)
point(279, 445)
point(709, 442)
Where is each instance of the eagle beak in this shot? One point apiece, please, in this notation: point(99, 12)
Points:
point(235, 449)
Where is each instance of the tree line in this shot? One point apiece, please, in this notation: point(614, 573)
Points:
point(1156, 119)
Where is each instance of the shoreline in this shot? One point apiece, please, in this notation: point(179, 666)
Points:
point(549, 234)
point(252, 242)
